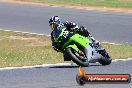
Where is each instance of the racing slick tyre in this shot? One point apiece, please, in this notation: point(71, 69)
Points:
point(105, 60)
point(75, 59)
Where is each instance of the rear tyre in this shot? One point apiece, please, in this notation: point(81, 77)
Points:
point(75, 59)
point(105, 60)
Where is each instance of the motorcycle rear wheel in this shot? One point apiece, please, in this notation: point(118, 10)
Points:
point(106, 60)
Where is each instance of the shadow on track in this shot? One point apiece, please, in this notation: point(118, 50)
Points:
point(71, 66)
point(64, 66)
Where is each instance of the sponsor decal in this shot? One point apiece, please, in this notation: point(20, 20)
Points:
point(83, 78)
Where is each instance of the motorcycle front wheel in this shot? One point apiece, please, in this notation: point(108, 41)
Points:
point(76, 59)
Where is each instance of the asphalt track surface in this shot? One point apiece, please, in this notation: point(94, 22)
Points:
point(61, 76)
point(105, 26)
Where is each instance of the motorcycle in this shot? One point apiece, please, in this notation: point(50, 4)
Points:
point(78, 54)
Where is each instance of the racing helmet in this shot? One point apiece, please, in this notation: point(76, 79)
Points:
point(54, 22)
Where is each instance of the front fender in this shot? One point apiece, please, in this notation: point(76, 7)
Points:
point(74, 47)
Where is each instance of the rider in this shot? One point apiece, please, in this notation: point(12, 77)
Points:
point(57, 26)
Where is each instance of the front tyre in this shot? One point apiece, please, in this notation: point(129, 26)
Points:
point(75, 59)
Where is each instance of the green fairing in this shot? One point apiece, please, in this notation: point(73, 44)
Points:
point(75, 39)
point(78, 39)
point(82, 41)
point(74, 47)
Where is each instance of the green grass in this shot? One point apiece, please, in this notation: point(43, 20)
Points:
point(18, 49)
point(107, 3)
point(119, 51)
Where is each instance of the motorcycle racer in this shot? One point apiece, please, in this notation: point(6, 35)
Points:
point(68, 31)
point(56, 26)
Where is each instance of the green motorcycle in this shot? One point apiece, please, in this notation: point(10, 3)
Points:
point(82, 50)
